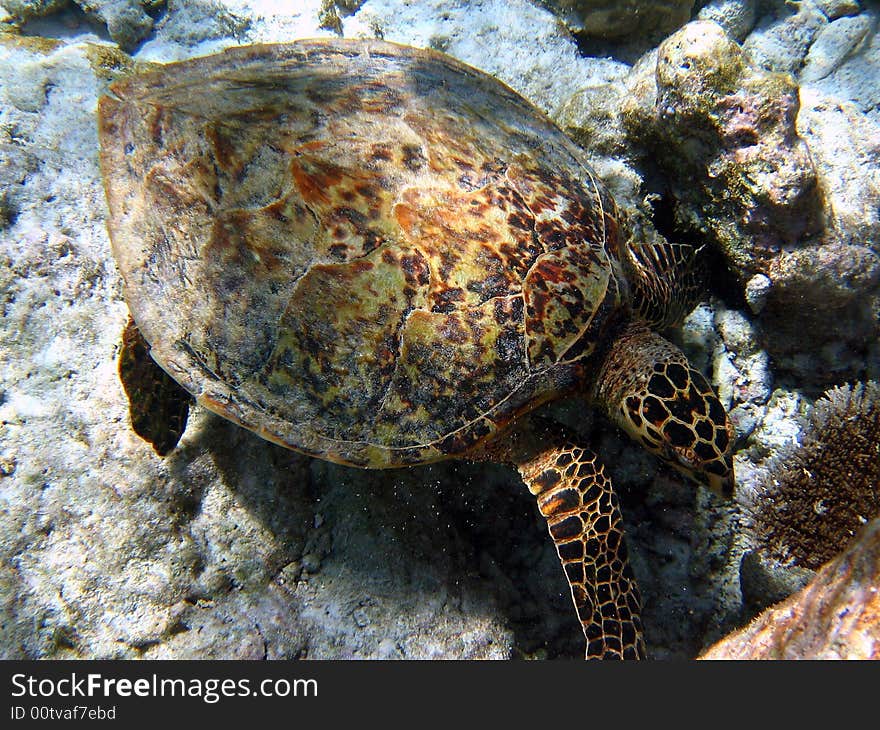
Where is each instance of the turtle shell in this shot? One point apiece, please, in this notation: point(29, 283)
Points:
point(363, 251)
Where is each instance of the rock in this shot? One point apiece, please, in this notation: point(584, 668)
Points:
point(757, 291)
point(700, 337)
point(740, 369)
point(333, 11)
point(615, 19)
point(790, 193)
point(127, 21)
point(781, 42)
point(836, 616)
point(737, 17)
point(739, 347)
point(206, 27)
point(19, 12)
point(199, 28)
point(833, 44)
point(764, 581)
point(530, 50)
point(591, 116)
point(695, 66)
point(825, 293)
point(820, 312)
point(834, 9)
point(780, 424)
point(856, 77)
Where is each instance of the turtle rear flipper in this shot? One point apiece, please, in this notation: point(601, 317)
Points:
point(157, 405)
point(575, 497)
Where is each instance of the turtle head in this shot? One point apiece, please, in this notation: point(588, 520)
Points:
point(648, 388)
point(679, 417)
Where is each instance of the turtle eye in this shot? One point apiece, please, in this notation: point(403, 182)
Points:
point(686, 457)
point(701, 445)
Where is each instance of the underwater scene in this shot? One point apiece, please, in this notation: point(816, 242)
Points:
point(487, 329)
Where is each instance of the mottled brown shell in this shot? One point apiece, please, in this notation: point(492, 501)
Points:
point(363, 251)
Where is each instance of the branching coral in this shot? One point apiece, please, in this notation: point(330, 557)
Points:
point(816, 496)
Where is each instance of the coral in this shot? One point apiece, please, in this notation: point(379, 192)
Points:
point(815, 496)
point(836, 616)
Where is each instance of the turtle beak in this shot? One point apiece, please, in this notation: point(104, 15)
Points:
point(721, 485)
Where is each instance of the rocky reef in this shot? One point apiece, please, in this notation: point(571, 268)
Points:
point(723, 135)
point(750, 128)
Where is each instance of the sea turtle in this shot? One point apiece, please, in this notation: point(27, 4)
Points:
point(380, 256)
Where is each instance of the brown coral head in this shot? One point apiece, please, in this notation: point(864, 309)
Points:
point(816, 496)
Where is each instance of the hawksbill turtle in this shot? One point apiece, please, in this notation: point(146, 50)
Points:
point(380, 256)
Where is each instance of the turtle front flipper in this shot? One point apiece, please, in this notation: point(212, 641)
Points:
point(575, 497)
